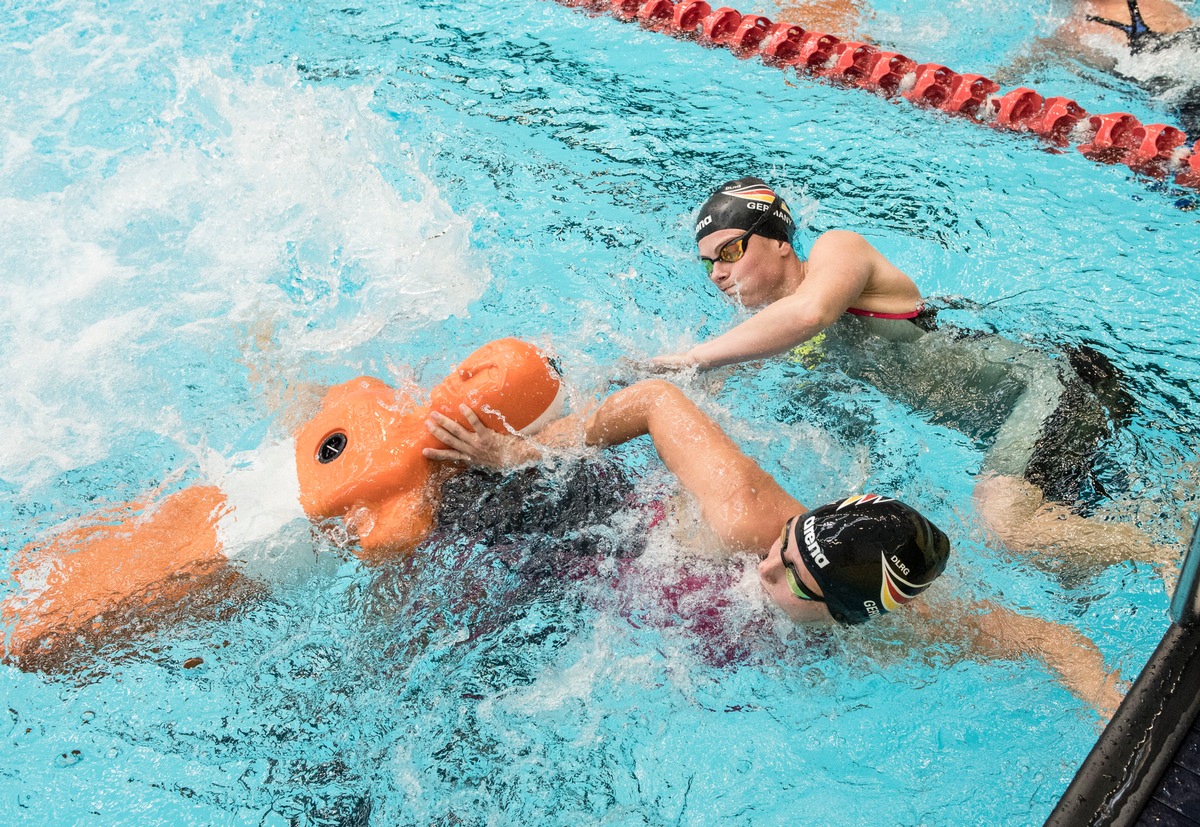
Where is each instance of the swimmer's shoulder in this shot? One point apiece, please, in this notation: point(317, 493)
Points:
point(840, 242)
point(834, 246)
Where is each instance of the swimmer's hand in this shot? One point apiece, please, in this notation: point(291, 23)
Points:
point(668, 363)
point(627, 371)
point(480, 446)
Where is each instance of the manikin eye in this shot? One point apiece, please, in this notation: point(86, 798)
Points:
point(331, 448)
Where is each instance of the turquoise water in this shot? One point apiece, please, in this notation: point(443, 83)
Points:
point(208, 211)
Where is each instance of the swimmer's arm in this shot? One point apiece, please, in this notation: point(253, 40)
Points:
point(743, 504)
point(773, 330)
point(839, 268)
point(1001, 633)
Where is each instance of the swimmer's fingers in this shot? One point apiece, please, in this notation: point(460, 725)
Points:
point(474, 421)
point(478, 446)
point(445, 455)
point(450, 433)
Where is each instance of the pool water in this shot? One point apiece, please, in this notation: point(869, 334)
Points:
point(211, 209)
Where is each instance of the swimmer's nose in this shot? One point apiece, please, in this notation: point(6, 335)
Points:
point(764, 569)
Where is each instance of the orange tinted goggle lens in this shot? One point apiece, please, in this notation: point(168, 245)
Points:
point(733, 251)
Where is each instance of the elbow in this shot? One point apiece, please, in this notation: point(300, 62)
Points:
point(809, 322)
point(628, 412)
point(652, 394)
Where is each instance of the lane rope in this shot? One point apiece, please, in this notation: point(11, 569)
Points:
point(1157, 150)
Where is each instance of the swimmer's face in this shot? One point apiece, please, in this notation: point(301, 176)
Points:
point(756, 276)
point(774, 574)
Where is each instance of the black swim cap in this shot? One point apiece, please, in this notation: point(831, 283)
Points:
point(870, 555)
point(739, 204)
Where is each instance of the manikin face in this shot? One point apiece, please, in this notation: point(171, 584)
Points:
point(757, 278)
point(773, 575)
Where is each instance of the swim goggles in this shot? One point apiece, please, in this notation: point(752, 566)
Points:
point(734, 249)
point(795, 583)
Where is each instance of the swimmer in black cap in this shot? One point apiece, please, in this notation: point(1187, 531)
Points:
point(744, 232)
point(849, 561)
point(848, 306)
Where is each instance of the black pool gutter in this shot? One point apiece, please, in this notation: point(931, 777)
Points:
point(1145, 769)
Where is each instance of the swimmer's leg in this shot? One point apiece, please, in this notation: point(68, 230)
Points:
point(1026, 522)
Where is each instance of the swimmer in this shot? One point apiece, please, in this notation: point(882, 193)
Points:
point(840, 18)
point(1153, 43)
point(1138, 25)
point(861, 311)
point(847, 562)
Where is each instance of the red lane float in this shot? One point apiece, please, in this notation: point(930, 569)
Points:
point(850, 62)
point(1015, 109)
point(1155, 147)
point(932, 86)
point(1156, 150)
point(888, 73)
point(1112, 137)
point(625, 9)
point(1056, 119)
point(816, 50)
point(781, 43)
point(718, 27)
point(688, 16)
point(1189, 175)
point(656, 14)
point(749, 34)
point(968, 94)
point(358, 460)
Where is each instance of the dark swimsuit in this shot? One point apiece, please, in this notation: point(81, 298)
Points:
point(1139, 34)
point(1036, 412)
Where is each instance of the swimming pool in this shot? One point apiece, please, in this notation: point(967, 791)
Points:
point(209, 210)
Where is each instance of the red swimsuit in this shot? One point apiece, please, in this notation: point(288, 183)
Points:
point(854, 311)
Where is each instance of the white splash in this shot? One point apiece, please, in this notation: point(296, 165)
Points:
point(259, 202)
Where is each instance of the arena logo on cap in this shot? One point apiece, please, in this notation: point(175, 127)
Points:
point(891, 595)
point(863, 499)
point(810, 540)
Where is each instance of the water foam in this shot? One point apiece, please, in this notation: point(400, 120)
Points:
point(256, 201)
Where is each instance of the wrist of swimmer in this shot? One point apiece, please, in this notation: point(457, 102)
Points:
point(692, 358)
